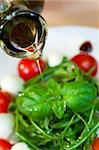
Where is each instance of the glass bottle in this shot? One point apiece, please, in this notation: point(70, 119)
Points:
point(23, 30)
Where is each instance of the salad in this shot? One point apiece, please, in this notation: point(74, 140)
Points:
point(57, 110)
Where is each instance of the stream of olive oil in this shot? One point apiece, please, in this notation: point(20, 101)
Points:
point(39, 68)
point(35, 55)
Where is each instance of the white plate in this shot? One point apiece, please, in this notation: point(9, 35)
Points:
point(64, 40)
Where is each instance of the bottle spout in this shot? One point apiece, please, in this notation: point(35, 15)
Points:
point(35, 55)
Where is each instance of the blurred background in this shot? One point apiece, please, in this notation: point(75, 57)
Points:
point(71, 12)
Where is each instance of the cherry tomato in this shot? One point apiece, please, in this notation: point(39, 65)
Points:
point(95, 145)
point(28, 68)
point(5, 99)
point(86, 62)
point(4, 145)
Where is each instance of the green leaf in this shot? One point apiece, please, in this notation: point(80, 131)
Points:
point(53, 87)
point(97, 104)
point(58, 107)
point(33, 108)
point(35, 91)
point(79, 96)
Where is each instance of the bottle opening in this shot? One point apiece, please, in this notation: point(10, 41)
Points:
point(22, 34)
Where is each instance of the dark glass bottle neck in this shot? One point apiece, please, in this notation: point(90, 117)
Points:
point(6, 9)
point(34, 5)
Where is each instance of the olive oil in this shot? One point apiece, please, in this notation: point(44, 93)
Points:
point(39, 68)
point(36, 55)
point(22, 30)
point(21, 27)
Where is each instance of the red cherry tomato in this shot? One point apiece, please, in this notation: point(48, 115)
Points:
point(28, 68)
point(5, 99)
point(86, 62)
point(4, 145)
point(95, 145)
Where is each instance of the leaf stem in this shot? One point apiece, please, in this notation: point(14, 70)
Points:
point(91, 115)
point(86, 125)
point(79, 142)
point(90, 119)
point(16, 120)
point(70, 122)
point(26, 141)
point(40, 130)
point(23, 121)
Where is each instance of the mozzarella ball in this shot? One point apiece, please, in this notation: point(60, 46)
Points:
point(54, 59)
point(12, 84)
point(6, 125)
point(20, 146)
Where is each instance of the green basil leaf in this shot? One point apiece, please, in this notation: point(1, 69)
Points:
point(35, 91)
point(53, 87)
point(32, 108)
point(79, 96)
point(58, 107)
